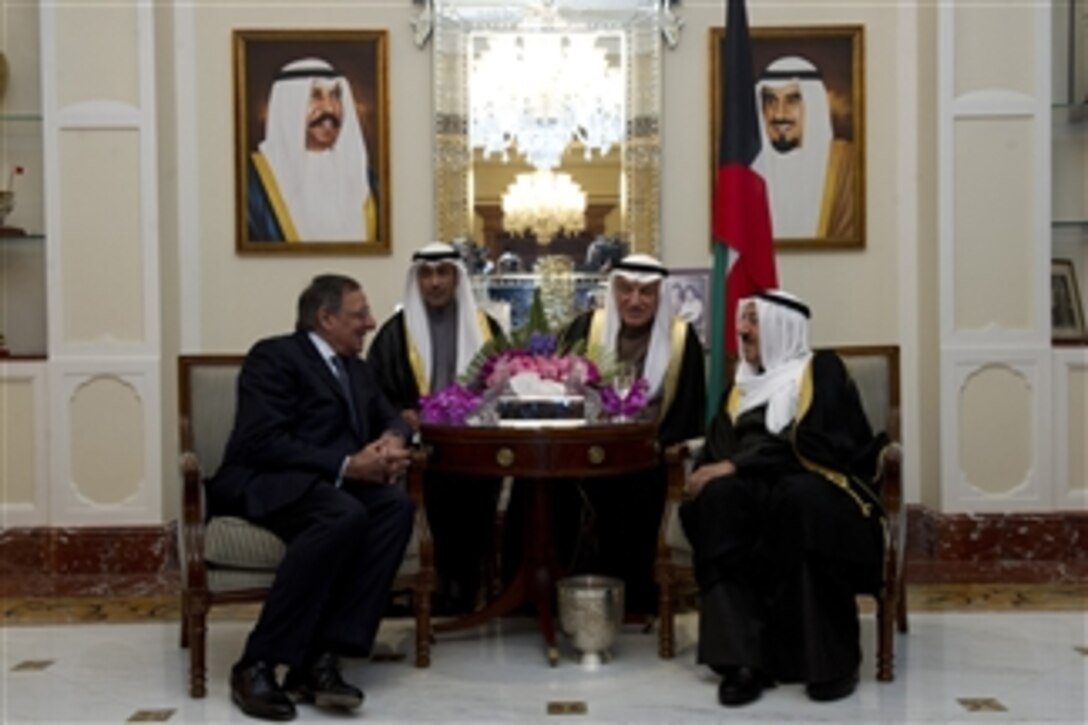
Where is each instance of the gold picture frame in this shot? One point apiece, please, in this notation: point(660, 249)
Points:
point(329, 194)
point(832, 214)
point(1066, 310)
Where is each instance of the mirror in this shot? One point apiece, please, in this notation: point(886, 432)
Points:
point(536, 161)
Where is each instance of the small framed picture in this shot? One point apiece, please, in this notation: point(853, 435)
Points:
point(689, 293)
point(1066, 310)
point(311, 142)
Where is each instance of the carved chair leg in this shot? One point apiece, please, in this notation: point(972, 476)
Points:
point(885, 647)
point(422, 602)
point(184, 620)
point(198, 634)
point(666, 633)
point(901, 608)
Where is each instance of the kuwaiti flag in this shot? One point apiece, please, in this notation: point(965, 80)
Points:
point(744, 244)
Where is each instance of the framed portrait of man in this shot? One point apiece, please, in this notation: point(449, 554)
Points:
point(311, 119)
point(809, 85)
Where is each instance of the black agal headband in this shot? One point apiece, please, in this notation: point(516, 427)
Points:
point(643, 268)
point(794, 305)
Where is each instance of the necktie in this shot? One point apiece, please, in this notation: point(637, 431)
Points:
point(345, 386)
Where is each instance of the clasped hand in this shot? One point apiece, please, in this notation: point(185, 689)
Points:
point(383, 460)
point(706, 473)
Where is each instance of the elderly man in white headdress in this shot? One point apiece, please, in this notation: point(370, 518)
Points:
point(811, 175)
point(639, 328)
point(784, 524)
point(309, 178)
point(418, 351)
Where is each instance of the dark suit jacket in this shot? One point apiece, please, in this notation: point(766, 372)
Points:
point(293, 426)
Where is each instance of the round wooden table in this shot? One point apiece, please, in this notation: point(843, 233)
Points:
point(536, 457)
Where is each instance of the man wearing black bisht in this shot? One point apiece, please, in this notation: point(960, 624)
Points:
point(784, 526)
point(420, 350)
point(638, 327)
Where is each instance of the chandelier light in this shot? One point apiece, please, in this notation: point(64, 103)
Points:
point(543, 203)
point(538, 92)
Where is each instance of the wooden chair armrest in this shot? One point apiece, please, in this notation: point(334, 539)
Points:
point(676, 458)
point(192, 521)
point(677, 452)
point(890, 479)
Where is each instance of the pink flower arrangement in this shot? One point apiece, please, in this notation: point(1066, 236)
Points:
point(489, 376)
point(560, 368)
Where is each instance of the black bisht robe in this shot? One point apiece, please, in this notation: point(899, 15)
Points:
point(782, 547)
point(613, 529)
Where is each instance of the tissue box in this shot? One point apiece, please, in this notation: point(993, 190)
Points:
point(542, 410)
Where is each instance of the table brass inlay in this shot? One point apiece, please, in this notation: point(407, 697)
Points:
point(595, 454)
point(567, 707)
point(161, 715)
point(504, 457)
point(32, 665)
point(981, 704)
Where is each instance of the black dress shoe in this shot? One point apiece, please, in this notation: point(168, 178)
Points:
point(321, 684)
point(832, 690)
point(739, 685)
point(254, 689)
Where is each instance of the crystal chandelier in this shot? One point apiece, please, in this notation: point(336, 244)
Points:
point(543, 203)
point(539, 91)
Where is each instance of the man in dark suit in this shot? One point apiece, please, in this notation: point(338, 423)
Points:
point(314, 457)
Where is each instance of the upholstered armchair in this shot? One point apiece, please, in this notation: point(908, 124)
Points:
point(228, 560)
point(875, 369)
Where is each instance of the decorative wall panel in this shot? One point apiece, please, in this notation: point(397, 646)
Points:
point(995, 405)
point(995, 411)
point(993, 223)
point(984, 35)
point(108, 459)
point(103, 259)
point(23, 460)
point(105, 37)
point(1070, 426)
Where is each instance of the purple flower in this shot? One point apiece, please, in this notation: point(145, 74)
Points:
point(629, 405)
point(449, 406)
point(541, 344)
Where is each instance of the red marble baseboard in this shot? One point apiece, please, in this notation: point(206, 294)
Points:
point(72, 561)
point(988, 548)
point(941, 548)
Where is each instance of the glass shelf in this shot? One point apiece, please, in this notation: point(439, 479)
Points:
point(5, 238)
point(20, 117)
point(1069, 223)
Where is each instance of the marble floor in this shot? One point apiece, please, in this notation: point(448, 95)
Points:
point(998, 662)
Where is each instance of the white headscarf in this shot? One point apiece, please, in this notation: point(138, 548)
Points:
point(795, 179)
point(325, 191)
point(469, 337)
point(642, 269)
point(784, 350)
